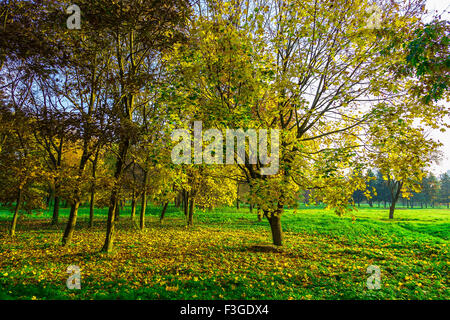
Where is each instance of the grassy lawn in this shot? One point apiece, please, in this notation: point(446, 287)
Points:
point(221, 257)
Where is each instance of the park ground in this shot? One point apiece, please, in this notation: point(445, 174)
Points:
point(227, 255)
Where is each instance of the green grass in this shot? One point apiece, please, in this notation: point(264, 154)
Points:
point(223, 256)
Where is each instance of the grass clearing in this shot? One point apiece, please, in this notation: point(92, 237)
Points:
point(324, 256)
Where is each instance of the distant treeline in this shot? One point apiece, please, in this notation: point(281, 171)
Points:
point(434, 191)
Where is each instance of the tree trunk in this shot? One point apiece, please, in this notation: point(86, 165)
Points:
point(237, 197)
point(275, 226)
point(117, 211)
point(251, 207)
point(110, 225)
point(391, 210)
point(143, 203)
point(143, 208)
point(70, 227)
point(93, 187)
point(178, 199)
point(185, 203)
point(16, 213)
point(56, 205)
point(91, 209)
point(57, 200)
point(395, 193)
point(163, 212)
point(133, 208)
point(113, 202)
point(190, 220)
point(55, 216)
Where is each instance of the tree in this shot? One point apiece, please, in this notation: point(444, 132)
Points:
point(368, 191)
point(430, 189)
point(401, 153)
point(66, 75)
point(208, 186)
point(97, 164)
point(428, 58)
point(139, 31)
point(28, 32)
point(51, 127)
point(444, 191)
point(22, 173)
point(371, 187)
point(85, 89)
point(358, 196)
point(307, 68)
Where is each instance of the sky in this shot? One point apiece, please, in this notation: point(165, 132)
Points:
point(443, 7)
